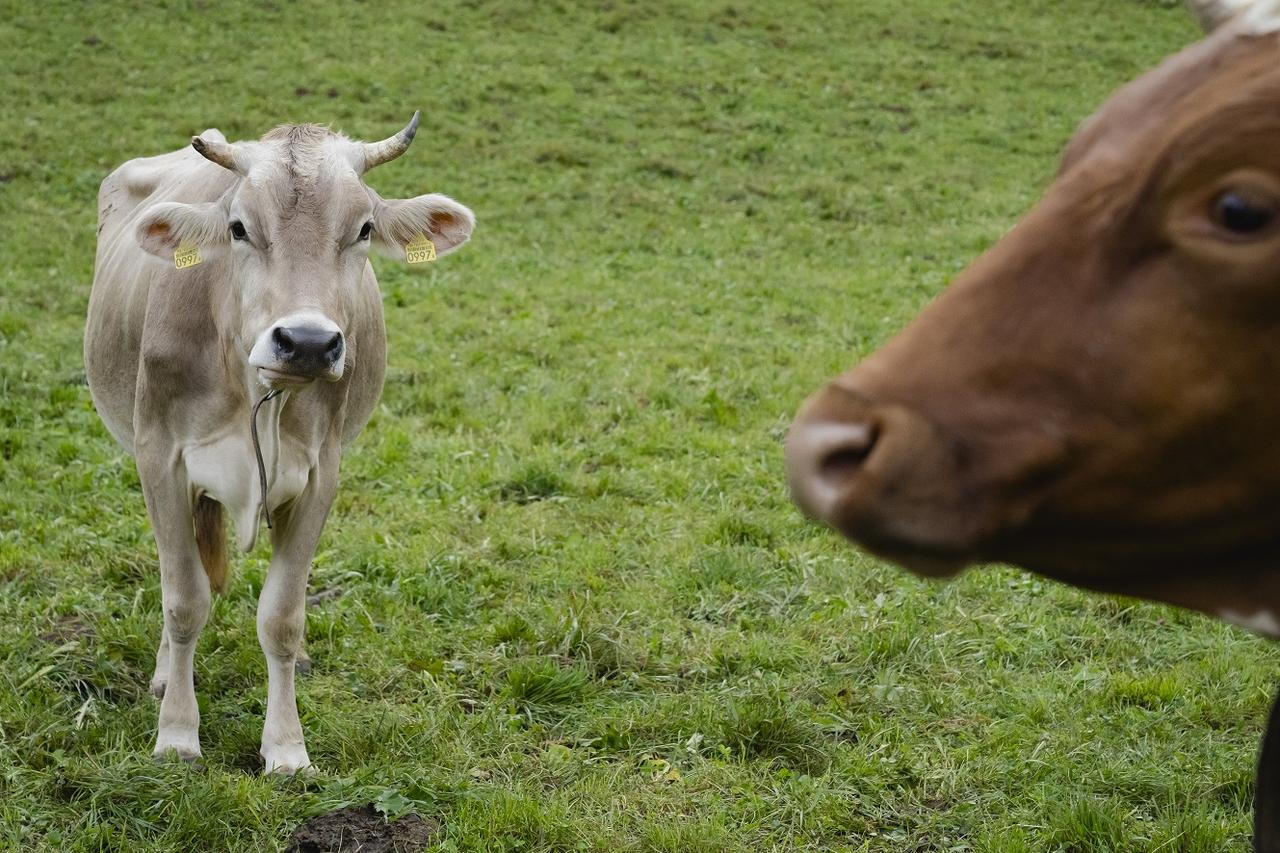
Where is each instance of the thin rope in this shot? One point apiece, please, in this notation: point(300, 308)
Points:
point(257, 451)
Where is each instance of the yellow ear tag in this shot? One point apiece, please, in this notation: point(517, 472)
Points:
point(419, 250)
point(186, 255)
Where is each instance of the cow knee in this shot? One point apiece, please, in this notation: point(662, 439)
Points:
point(280, 634)
point(184, 620)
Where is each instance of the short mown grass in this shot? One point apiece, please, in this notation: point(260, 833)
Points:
point(566, 602)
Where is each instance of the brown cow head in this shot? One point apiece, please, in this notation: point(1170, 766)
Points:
point(1098, 397)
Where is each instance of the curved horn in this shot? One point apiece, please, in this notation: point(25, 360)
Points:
point(377, 153)
point(224, 154)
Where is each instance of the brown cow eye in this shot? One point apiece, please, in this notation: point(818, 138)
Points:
point(1240, 214)
point(366, 230)
point(237, 231)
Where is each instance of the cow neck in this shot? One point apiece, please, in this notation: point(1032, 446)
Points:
point(257, 449)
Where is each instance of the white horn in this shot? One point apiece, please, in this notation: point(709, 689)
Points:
point(225, 154)
point(377, 153)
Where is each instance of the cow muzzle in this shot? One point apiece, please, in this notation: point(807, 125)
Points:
point(886, 477)
point(297, 350)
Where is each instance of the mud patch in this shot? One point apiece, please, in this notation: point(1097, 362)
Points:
point(360, 829)
point(67, 628)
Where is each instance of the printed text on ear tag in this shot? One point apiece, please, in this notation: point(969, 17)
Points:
point(186, 255)
point(419, 250)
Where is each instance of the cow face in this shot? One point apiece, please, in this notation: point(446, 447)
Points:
point(294, 232)
point(1095, 398)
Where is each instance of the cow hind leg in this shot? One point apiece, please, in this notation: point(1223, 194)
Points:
point(161, 676)
point(302, 665)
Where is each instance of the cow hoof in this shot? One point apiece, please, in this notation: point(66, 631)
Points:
point(182, 750)
point(288, 761)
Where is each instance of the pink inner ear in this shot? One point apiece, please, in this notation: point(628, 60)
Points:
point(158, 232)
point(440, 221)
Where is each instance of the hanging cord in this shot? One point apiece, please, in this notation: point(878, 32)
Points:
point(257, 451)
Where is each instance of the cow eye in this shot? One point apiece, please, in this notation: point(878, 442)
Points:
point(366, 230)
point(1242, 215)
point(237, 231)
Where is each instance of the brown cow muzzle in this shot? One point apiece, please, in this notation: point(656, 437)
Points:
point(886, 476)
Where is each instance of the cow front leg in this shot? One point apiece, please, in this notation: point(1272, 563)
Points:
point(282, 617)
point(185, 597)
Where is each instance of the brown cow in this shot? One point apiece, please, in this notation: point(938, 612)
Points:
point(1098, 397)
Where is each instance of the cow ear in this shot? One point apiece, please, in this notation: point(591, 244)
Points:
point(168, 225)
point(439, 218)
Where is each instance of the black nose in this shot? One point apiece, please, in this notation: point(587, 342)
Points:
point(307, 349)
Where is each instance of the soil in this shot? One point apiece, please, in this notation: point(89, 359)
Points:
point(67, 628)
point(360, 829)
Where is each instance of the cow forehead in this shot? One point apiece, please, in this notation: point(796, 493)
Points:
point(1144, 119)
point(312, 182)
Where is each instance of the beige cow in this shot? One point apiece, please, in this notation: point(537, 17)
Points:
point(225, 274)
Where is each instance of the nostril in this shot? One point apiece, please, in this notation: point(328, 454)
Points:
point(283, 341)
point(824, 458)
point(333, 350)
point(845, 447)
point(843, 463)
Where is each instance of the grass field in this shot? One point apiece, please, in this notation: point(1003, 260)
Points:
point(567, 603)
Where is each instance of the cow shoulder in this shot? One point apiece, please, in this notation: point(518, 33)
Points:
point(182, 336)
point(181, 175)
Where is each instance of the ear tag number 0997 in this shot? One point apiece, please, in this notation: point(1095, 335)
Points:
point(186, 255)
point(419, 250)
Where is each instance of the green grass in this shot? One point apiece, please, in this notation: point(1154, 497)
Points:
point(578, 611)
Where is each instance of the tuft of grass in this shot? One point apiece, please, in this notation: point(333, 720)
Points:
point(1150, 691)
point(532, 485)
point(1193, 832)
point(598, 648)
point(513, 628)
point(541, 686)
point(771, 728)
point(1091, 826)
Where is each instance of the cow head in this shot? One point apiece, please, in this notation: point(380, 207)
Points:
point(295, 229)
point(1098, 397)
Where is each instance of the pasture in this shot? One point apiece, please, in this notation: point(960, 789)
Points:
point(563, 601)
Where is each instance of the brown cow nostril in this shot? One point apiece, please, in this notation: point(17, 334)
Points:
point(843, 460)
point(824, 458)
point(842, 464)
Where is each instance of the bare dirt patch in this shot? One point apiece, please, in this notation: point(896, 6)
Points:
point(66, 628)
point(360, 829)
